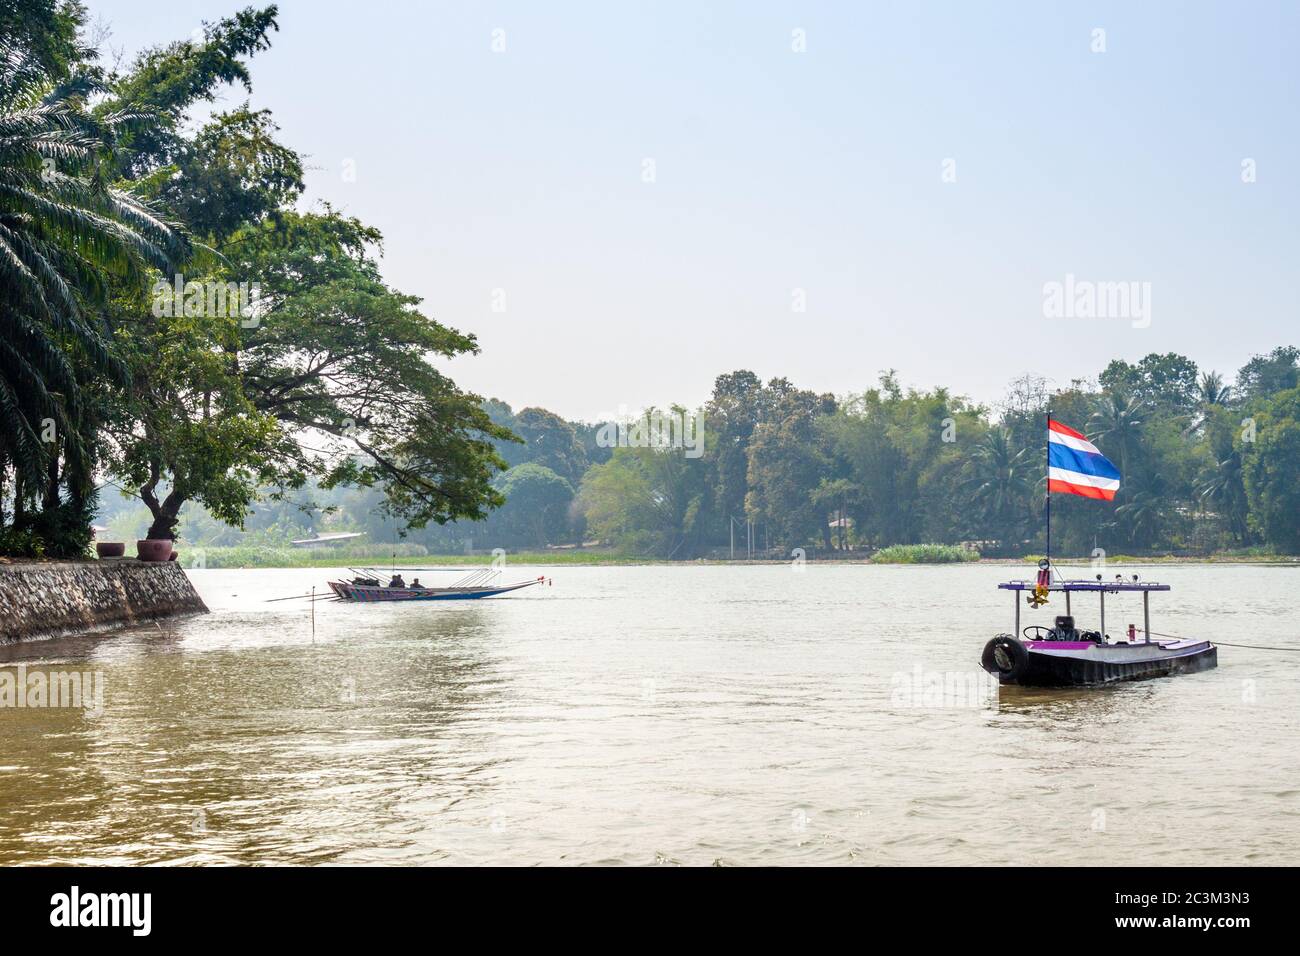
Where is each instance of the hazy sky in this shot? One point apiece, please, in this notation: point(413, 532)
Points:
point(517, 179)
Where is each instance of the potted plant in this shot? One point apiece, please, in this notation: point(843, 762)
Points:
point(153, 549)
point(110, 549)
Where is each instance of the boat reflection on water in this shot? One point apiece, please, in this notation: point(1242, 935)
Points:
point(1053, 705)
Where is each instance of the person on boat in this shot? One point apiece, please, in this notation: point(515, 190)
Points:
point(397, 582)
point(416, 585)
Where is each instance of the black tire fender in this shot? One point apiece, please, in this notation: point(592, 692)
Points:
point(1006, 657)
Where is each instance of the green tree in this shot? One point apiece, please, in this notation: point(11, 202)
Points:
point(334, 353)
point(738, 404)
point(905, 451)
point(167, 81)
point(1266, 375)
point(329, 373)
point(552, 442)
point(48, 32)
point(787, 461)
point(835, 497)
point(1117, 424)
point(1220, 486)
point(1167, 381)
point(537, 504)
point(998, 486)
point(1269, 465)
point(65, 233)
point(1211, 394)
point(647, 500)
point(232, 174)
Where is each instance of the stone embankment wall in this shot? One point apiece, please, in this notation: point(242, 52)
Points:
point(48, 600)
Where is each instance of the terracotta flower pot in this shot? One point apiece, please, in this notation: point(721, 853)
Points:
point(110, 549)
point(153, 549)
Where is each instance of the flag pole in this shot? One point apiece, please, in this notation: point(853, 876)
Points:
point(1048, 476)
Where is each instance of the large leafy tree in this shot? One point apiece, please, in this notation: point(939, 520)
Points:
point(1265, 375)
point(537, 504)
point(169, 80)
point(648, 500)
point(1167, 381)
point(739, 402)
point(787, 462)
point(551, 442)
point(1270, 464)
point(48, 30)
point(334, 378)
point(905, 450)
point(332, 373)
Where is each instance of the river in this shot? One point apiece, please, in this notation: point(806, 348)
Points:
point(639, 715)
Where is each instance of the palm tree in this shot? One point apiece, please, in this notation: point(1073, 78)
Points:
point(1211, 393)
point(1223, 488)
point(1144, 515)
point(1118, 422)
point(65, 233)
point(999, 483)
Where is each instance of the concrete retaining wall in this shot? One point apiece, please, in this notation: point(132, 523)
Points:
point(47, 600)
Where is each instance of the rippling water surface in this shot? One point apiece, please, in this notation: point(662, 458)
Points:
point(638, 715)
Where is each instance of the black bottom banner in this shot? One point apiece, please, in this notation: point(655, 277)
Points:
point(332, 905)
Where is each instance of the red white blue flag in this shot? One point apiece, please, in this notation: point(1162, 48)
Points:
point(1075, 467)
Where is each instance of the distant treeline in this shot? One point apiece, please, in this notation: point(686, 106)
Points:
point(1207, 467)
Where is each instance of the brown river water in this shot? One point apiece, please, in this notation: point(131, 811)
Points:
point(642, 715)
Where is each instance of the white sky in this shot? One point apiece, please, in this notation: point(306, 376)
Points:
point(522, 171)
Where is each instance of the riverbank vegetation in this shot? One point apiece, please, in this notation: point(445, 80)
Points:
point(924, 554)
point(177, 321)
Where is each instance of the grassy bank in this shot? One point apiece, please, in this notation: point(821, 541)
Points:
point(924, 554)
point(379, 557)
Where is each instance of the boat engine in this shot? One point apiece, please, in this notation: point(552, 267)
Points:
point(1064, 629)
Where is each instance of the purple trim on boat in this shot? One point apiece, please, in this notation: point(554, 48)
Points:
point(1107, 586)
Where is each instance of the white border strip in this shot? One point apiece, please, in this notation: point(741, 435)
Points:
point(1075, 478)
point(1078, 444)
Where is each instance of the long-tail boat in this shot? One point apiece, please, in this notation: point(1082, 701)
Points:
point(366, 586)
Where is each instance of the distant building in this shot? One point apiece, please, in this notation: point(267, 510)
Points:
point(327, 540)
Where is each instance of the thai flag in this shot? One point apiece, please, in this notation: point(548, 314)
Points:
point(1075, 467)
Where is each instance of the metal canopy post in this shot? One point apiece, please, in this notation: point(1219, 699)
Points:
point(1103, 614)
point(1015, 603)
point(1146, 614)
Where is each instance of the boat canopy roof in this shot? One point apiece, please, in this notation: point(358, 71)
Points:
point(1080, 585)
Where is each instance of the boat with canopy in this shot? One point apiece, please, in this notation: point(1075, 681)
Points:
point(1064, 654)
